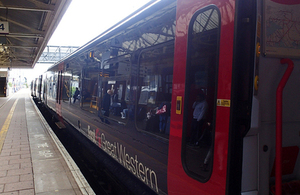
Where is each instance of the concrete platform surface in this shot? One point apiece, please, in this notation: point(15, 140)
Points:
point(32, 159)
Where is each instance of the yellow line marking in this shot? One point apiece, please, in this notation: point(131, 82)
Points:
point(5, 127)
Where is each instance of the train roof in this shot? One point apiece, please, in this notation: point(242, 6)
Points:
point(114, 36)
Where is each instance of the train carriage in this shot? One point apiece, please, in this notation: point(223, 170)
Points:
point(4, 78)
point(141, 81)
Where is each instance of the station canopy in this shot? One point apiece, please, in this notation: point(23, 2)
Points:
point(25, 29)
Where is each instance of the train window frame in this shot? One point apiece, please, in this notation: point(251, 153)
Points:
point(204, 177)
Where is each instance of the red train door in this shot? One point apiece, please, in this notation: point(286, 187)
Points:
point(200, 120)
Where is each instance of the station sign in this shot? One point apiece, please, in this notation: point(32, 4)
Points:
point(4, 27)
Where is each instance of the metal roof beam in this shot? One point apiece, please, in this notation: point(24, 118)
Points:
point(46, 9)
point(5, 63)
point(22, 25)
point(22, 35)
point(20, 56)
point(20, 46)
point(40, 4)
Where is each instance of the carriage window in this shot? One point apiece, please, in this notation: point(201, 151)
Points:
point(88, 94)
point(66, 86)
point(200, 95)
point(75, 89)
point(155, 90)
point(116, 100)
point(51, 87)
point(59, 87)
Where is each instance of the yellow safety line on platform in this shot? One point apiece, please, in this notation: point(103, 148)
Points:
point(5, 127)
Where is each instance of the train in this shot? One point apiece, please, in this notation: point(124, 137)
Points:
point(190, 96)
point(4, 78)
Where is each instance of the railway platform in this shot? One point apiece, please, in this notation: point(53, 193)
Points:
point(32, 159)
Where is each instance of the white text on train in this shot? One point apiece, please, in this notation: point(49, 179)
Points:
point(118, 152)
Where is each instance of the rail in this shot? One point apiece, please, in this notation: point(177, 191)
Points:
point(278, 158)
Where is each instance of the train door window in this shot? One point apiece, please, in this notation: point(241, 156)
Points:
point(200, 94)
point(155, 89)
point(45, 90)
point(59, 87)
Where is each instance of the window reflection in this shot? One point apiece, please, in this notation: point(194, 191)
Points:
point(200, 94)
point(155, 84)
point(117, 93)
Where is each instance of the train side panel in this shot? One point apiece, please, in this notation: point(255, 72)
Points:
point(130, 132)
point(151, 69)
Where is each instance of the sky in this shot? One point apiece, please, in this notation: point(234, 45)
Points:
point(85, 20)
